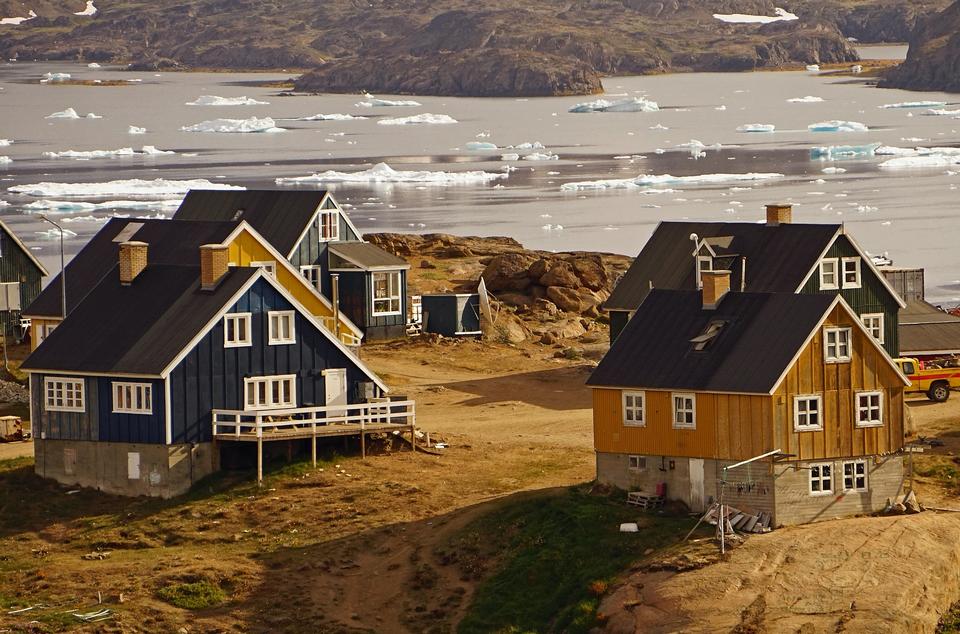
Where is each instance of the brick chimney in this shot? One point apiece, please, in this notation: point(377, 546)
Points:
point(779, 214)
point(133, 259)
point(214, 262)
point(716, 284)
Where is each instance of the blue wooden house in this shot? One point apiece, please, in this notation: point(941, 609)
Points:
point(318, 238)
point(159, 365)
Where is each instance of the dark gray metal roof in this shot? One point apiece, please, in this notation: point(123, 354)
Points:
point(921, 312)
point(280, 216)
point(366, 256)
point(169, 242)
point(778, 258)
point(925, 329)
point(762, 333)
point(136, 329)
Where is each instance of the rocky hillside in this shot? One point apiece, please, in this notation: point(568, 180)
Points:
point(550, 298)
point(933, 62)
point(454, 47)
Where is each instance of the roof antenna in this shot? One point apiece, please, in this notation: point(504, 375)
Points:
point(696, 242)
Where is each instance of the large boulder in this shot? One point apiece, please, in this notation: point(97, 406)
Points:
point(560, 273)
point(566, 299)
point(508, 328)
point(508, 272)
point(591, 273)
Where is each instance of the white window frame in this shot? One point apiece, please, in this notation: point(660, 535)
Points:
point(874, 323)
point(334, 233)
point(269, 401)
point(692, 410)
point(854, 476)
point(830, 286)
point(855, 261)
point(835, 356)
point(313, 274)
point(393, 293)
point(126, 396)
point(267, 265)
point(701, 260)
point(243, 318)
point(817, 468)
point(637, 463)
point(64, 394)
point(867, 409)
point(631, 410)
point(43, 331)
point(798, 415)
point(277, 339)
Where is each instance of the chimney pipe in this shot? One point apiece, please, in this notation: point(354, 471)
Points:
point(214, 262)
point(779, 214)
point(335, 293)
point(716, 284)
point(133, 259)
point(743, 274)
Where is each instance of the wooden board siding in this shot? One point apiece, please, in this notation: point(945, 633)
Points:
point(16, 266)
point(838, 383)
point(729, 426)
point(137, 428)
point(311, 250)
point(35, 325)
point(64, 425)
point(356, 301)
point(871, 297)
point(211, 376)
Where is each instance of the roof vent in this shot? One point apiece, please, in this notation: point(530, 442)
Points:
point(705, 339)
point(239, 214)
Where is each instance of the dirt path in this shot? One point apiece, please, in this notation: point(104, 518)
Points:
point(10, 450)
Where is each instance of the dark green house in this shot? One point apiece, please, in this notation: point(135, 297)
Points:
point(20, 276)
point(777, 256)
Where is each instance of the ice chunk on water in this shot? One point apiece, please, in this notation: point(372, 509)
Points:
point(69, 113)
point(157, 188)
point(930, 160)
point(529, 145)
point(5, 142)
point(756, 127)
point(71, 206)
point(214, 100)
point(383, 173)
point(832, 152)
point(941, 112)
point(779, 15)
point(813, 68)
point(856, 69)
point(148, 150)
point(914, 104)
point(833, 170)
point(373, 102)
point(420, 119)
point(331, 117)
point(93, 65)
point(251, 125)
point(55, 234)
point(53, 78)
point(510, 156)
point(135, 130)
point(88, 10)
point(650, 180)
point(93, 115)
point(630, 104)
point(5, 160)
point(15, 21)
point(476, 146)
point(541, 156)
point(807, 99)
point(837, 126)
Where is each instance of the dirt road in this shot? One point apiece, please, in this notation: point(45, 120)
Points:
point(10, 450)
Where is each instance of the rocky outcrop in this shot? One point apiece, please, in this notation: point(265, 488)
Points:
point(933, 62)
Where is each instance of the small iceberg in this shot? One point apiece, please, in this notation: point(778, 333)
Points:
point(88, 10)
point(69, 113)
point(541, 156)
point(941, 112)
point(54, 234)
point(136, 130)
point(528, 145)
point(53, 78)
point(481, 146)
point(213, 100)
point(4, 160)
point(239, 126)
point(807, 99)
point(832, 152)
point(837, 126)
point(645, 180)
point(630, 104)
point(72, 206)
point(92, 115)
point(779, 15)
point(93, 65)
point(373, 102)
point(914, 104)
point(833, 170)
point(136, 187)
point(756, 127)
point(856, 69)
point(147, 150)
point(813, 68)
point(5, 142)
point(331, 117)
point(16, 21)
point(383, 173)
point(927, 161)
point(420, 119)
point(510, 156)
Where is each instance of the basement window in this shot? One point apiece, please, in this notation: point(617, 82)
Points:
point(808, 413)
point(869, 409)
point(638, 463)
point(236, 330)
point(836, 345)
point(855, 476)
point(829, 274)
point(705, 339)
point(684, 411)
point(633, 409)
point(821, 479)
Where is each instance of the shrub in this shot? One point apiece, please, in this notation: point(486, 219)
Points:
point(193, 596)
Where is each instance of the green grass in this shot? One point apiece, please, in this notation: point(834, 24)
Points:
point(950, 622)
point(193, 596)
point(544, 562)
point(945, 470)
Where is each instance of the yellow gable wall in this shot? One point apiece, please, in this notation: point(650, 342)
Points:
point(245, 249)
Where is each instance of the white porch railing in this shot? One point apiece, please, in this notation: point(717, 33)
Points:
point(346, 337)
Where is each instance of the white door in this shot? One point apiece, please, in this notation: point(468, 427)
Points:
point(335, 384)
point(696, 485)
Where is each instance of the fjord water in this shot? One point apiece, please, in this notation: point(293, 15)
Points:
point(908, 213)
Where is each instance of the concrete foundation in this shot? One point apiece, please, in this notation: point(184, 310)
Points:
point(125, 468)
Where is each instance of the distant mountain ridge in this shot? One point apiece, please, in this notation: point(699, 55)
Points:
point(933, 62)
point(456, 47)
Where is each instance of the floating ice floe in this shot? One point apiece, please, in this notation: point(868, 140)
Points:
point(527, 145)
point(5, 159)
point(856, 69)
point(914, 104)
point(481, 146)
point(837, 126)
point(5, 142)
point(373, 102)
point(71, 206)
point(251, 125)
point(807, 99)
point(650, 180)
point(420, 119)
point(780, 15)
point(931, 160)
point(813, 68)
point(136, 130)
point(756, 127)
point(918, 151)
point(510, 156)
point(138, 188)
point(15, 21)
point(659, 126)
point(831, 152)
point(214, 100)
point(69, 113)
point(941, 112)
point(88, 10)
point(541, 156)
point(147, 150)
point(383, 173)
point(55, 234)
point(698, 148)
point(331, 117)
point(53, 78)
point(833, 170)
point(630, 104)
point(93, 65)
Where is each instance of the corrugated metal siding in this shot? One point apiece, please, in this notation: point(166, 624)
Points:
point(871, 297)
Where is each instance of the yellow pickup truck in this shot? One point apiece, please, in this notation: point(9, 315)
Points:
point(935, 379)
